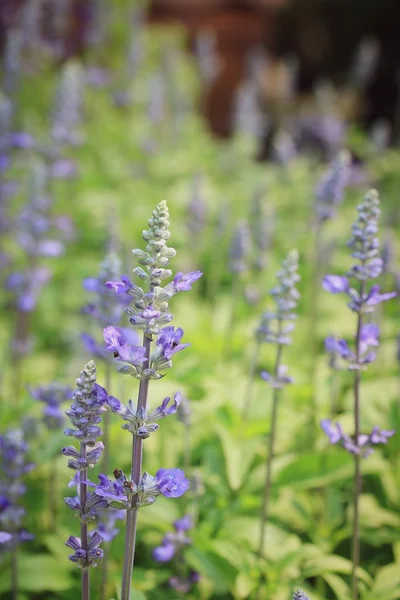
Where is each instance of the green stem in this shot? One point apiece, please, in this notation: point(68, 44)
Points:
point(357, 465)
point(136, 471)
point(84, 527)
point(248, 396)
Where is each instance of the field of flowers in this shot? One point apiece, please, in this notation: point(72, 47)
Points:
point(277, 466)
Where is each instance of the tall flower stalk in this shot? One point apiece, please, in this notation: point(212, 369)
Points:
point(278, 325)
point(148, 313)
point(328, 195)
point(88, 406)
point(363, 299)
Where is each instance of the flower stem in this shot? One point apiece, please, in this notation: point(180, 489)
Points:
point(357, 465)
point(314, 312)
point(248, 396)
point(271, 446)
point(53, 481)
point(136, 471)
point(14, 570)
point(84, 527)
point(106, 466)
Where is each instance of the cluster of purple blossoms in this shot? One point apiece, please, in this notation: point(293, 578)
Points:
point(124, 493)
point(148, 312)
point(330, 189)
point(13, 467)
point(276, 326)
point(53, 396)
point(107, 307)
point(364, 445)
point(364, 244)
point(365, 248)
point(88, 406)
point(173, 545)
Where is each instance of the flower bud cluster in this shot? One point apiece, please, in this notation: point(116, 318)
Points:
point(300, 595)
point(364, 244)
point(13, 466)
point(276, 326)
point(89, 403)
point(141, 423)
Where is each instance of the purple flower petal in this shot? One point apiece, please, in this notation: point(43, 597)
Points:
point(335, 284)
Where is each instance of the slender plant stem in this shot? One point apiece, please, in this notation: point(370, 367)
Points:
point(53, 489)
point(186, 446)
point(106, 467)
point(248, 396)
point(106, 421)
point(84, 527)
point(235, 296)
point(14, 570)
point(136, 471)
point(314, 313)
point(271, 446)
point(357, 465)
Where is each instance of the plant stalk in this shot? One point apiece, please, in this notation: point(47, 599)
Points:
point(14, 570)
point(271, 446)
point(136, 471)
point(357, 465)
point(84, 527)
point(106, 467)
point(248, 396)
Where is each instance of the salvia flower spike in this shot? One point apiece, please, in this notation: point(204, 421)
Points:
point(85, 414)
point(362, 300)
point(276, 329)
point(149, 313)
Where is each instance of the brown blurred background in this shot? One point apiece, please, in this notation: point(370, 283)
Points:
point(321, 35)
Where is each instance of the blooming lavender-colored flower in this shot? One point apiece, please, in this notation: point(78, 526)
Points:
point(122, 492)
point(13, 467)
point(365, 443)
point(53, 396)
point(300, 595)
point(330, 189)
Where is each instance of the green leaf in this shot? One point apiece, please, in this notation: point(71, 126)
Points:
point(40, 573)
point(238, 454)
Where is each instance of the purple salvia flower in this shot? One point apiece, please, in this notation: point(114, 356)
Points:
point(335, 284)
point(149, 313)
point(172, 483)
point(332, 430)
point(164, 553)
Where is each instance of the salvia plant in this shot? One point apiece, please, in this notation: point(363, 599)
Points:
point(276, 328)
point(14, 465)
point(88, 406)
point(362, 300)
point(149, 313)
